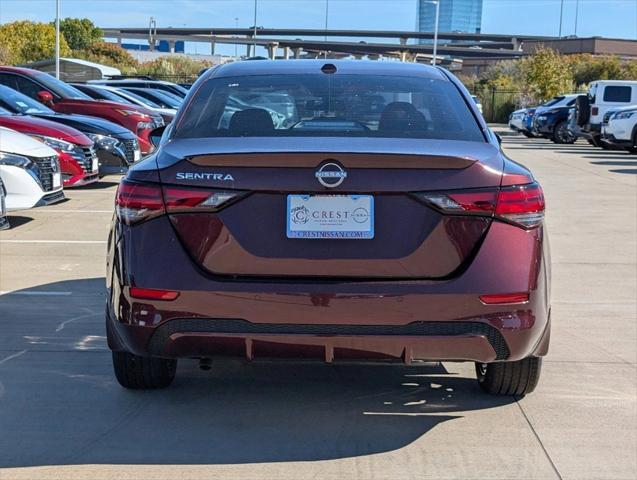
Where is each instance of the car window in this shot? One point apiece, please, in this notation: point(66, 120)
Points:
point(571, 102)
point(20, 103)
point(617, 93)
point(8, 80)
point(329, 105)
point(102, 94)
point(161, 98)
point(553, 101)
point(144, 101)
point(59, 88)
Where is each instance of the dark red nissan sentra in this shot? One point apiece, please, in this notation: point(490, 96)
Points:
point(340, 211)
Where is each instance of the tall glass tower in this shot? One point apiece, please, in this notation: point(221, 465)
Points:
point(455, 16)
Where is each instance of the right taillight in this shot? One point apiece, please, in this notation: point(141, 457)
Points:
point(521, 204)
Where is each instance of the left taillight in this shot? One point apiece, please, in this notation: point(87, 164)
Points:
point(180, 199)
point(522, 205)
point(135, 201)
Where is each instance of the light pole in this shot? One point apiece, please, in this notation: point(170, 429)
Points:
point(435, 52)
point(254, 38)
point(57, 39)
point(236, 26)
point(576, 15)
point(561, 14)
point(327, 11)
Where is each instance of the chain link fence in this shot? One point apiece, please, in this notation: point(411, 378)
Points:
point(497, 105)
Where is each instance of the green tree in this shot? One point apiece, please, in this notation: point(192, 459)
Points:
point(546, 74)
point(587, 68)
point(80, 33)
point(26, 41)
point(629, 70)
point(176, 66)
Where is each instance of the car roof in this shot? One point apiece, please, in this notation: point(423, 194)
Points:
point(129, 80)
point(614, 82)
point(269, 67)
point(25, 71)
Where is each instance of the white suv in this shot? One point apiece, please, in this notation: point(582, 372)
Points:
point(603, 95)
point(621, 128)
point(30, 171)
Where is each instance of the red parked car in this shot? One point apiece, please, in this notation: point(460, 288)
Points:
point(336, 211)
point(78, 159)
point(64, 98)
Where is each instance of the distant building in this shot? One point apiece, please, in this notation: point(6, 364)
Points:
point(455, 16)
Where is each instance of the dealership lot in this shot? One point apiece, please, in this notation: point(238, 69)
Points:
point(62, 414)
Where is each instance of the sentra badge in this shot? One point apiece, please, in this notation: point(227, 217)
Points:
point(219, 177)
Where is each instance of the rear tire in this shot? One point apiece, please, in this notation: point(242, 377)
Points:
point(528, 135)
point(143, 373)
point(509, 378)
point(562, 135)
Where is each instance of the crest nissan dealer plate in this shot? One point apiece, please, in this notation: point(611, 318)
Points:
point(346, 217)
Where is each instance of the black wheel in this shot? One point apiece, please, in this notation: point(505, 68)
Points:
point(143, 373)
point(633, 148)
point(596, 141)
point(509, 378)
point(528, 134)
point(605, 145)
point(561, 134)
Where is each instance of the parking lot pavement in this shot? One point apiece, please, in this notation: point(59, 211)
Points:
point(62, 415)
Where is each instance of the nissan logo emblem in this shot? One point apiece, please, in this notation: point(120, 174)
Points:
point(331, 175)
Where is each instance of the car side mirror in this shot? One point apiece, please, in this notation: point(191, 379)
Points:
point(45, 97)
point(156, 134)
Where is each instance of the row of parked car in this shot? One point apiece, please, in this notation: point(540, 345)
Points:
point(55, 135)
point(606, 116)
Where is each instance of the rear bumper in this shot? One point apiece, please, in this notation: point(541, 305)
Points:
point(466, 340)
point(406, 320)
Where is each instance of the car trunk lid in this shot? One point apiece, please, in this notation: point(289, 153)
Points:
point(250, 236)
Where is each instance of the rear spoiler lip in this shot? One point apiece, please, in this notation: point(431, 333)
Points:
point(347, 160)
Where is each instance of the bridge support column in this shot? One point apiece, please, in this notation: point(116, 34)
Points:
point(213, 45)
point(171, 46)
point(297, 53)
point(286, 53)
point(272, 48)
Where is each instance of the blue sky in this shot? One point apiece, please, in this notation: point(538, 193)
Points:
point(609, 18)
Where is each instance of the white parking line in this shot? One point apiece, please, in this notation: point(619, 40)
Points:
point(75, 242)
point(74, 211)
point(35, 294)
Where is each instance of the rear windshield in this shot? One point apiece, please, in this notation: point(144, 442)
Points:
point(329, 105)
point(553, 101)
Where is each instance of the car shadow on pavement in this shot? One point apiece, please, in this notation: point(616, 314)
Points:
point(17, 221)
point(99, 185)
point(613, 161)
point(61, 404)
